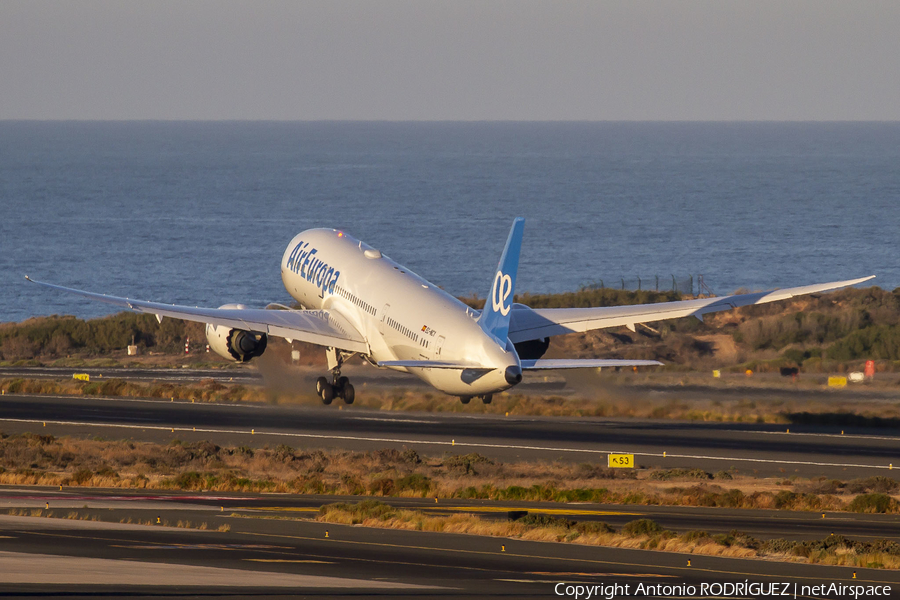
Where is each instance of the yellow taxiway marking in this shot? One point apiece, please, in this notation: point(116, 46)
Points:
point(278, 508)
point(560, 573)
point(285, 560)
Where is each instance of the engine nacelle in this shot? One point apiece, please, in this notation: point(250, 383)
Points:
point(532, 349)
point(235, 344)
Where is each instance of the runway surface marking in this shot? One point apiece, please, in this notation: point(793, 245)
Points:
point(387, 420)
point(841, 436)
point(454, 443)
point(25, 568)
point(164, 546)
point(287, 560)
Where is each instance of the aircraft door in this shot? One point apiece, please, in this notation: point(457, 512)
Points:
point(381, 323)
point(438, 344)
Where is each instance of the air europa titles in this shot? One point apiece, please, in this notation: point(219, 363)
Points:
point(304, 262)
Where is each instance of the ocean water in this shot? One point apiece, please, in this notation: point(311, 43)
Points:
point(199, 213)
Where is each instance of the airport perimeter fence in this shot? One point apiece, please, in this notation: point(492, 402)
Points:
point(690, 285)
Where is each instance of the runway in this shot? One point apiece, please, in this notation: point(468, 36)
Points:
point(760, 449)
point(284, 558)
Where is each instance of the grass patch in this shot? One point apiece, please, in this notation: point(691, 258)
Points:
point(31, 459)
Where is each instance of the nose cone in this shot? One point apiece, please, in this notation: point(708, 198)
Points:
point(513, 375)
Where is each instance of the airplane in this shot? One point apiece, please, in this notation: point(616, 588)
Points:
point(356, 301)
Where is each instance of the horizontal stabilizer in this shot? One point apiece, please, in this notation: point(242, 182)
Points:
point(432, 364)
point(585, 363)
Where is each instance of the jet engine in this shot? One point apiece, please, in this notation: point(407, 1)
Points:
point(532, 349)
point(235, 344)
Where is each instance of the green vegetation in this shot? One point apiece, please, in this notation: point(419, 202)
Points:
point(818, 333)
point(47, 460)
point(205, 391)
point(846, 325)
point(54, 337)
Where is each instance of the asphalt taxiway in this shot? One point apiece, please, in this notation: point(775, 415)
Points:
point(239, 554)
point(808, 450)
point(148, 505)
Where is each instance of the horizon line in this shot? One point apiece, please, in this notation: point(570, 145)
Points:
point(591, 121)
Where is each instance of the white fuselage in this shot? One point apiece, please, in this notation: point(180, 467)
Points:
point(401, 315)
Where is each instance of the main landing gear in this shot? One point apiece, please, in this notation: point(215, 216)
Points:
point(487, 398)
point(339, 387)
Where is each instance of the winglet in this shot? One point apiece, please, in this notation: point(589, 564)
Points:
point(494, 318)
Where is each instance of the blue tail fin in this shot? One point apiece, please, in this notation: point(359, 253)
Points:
point(495, 317)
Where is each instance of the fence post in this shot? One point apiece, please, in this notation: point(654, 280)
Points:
point(639, 284)
point(674, 288)
point(692, 285)
point(657, 283)
point(623, 283)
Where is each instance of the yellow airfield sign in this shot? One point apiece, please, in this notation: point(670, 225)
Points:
point(621, 461)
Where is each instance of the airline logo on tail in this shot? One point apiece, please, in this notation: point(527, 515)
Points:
point(502, 289)
point(495, 316)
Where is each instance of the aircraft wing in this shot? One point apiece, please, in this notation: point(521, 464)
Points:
point(322, 327)
point(532, 324)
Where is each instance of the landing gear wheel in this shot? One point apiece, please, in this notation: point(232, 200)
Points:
point(342, 382)
point(348, 393)
point(487, 398)
point(465, 399)
point(327, 393)
point(321, 382)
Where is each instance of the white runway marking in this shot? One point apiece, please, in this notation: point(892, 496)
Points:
point(386, 420)
point(454, 443)
point(828, 435)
